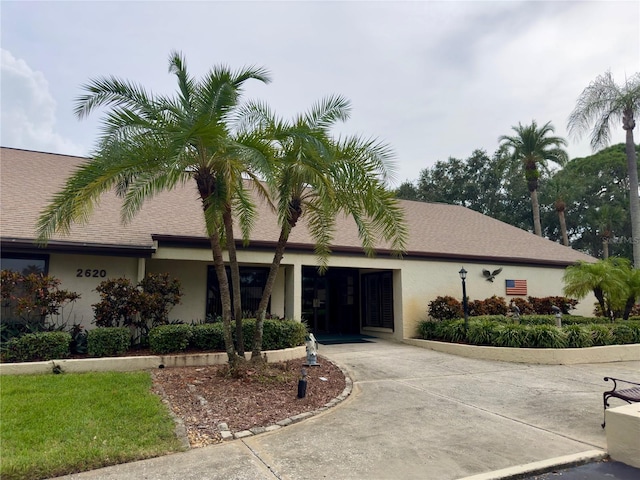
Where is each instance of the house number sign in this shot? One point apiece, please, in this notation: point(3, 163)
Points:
point(92, 273)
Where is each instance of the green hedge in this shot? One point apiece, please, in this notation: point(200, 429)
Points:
point(208, 336)
point(39, 346)
point(108, 341)
point(170, 338)
point(540, 333)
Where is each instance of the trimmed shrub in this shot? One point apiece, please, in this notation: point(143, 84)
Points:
point(523, 305)
point(622, 334)
point(483, 332)
point(36, 347)
point(578, 336)
point(208, 336)
point(579, 320)
point(490, 306)
point(538, 320)
point(601, 335)
point(278, 334)
point(169, 338)
point(108, 341)
point(546, 336)
point(452, 331)
point(511, 335)
point(635, 327)
point(445, 308)
point(427, 329)
point(542, 305)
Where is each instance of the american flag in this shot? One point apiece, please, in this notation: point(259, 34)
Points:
point(516, 287)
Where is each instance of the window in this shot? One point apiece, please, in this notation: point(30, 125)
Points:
point(252, 281)
point(25, 265)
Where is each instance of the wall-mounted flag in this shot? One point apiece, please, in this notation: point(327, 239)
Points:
point(516, 287)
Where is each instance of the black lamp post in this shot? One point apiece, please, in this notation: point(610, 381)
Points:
point(465, 307)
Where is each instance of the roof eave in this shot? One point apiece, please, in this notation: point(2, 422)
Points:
point(27, 245)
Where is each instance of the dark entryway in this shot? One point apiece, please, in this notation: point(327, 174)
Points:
point(330, 302)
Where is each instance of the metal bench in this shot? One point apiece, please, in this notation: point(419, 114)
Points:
point(629, 393)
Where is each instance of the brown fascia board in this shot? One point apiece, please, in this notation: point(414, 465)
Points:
point(26, 245)
point(202, 242)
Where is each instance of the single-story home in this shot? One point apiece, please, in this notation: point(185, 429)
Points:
point(382, 295)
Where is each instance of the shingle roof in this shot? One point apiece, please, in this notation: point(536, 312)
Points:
point(30, 179)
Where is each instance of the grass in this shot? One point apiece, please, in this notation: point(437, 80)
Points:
point(53, 425)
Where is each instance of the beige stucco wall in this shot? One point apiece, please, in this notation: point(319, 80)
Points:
point(192, 275)
point(416, 282)
point(65, 268)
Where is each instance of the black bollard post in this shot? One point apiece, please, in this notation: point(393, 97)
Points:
point(302, 384)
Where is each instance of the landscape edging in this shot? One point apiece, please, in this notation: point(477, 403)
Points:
point(543, 356)
point(130, 364)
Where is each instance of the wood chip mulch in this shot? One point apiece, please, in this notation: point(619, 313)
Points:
point(204, 397)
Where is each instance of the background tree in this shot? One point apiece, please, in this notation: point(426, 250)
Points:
point(489, 185)
point(533, 148)
point(152, 143)
point(594, 182)
point(601, 103)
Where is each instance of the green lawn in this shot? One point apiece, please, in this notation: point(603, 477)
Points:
point(53, 425)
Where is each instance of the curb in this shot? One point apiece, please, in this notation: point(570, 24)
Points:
point(543, 466)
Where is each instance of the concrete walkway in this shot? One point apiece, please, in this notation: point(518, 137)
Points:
point(413, 414)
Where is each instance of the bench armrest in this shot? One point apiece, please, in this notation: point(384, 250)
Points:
point(615, 384)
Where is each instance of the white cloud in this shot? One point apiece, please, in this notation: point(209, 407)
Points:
point(28, 114)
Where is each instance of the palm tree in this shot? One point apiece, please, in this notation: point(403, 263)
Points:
point(318, 177)
point(604, 278)
point(151, 143)
point(559, 190)
point(606, 219)
point(601, 103)
point(533, 147)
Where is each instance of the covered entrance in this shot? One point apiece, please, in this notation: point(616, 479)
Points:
point(345, 299)
point(330, 302)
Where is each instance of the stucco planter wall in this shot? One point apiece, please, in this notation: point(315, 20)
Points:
point(128, 364)
point(546, 356)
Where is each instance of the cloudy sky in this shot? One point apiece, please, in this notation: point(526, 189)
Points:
point(434, 79)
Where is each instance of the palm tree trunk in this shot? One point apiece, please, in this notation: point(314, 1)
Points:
point(605, 247)
point(634, 201)
point(225, 297)
point(206, 187)
point(535, 209)
point(266, 293)
point(563, 228)
point(235, 278)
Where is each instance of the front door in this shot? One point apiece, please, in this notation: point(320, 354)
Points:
point(330, 302)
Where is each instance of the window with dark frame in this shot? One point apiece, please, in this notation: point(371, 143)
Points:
point(252, 282)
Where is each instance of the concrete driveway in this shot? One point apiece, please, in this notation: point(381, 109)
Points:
point(413, 414)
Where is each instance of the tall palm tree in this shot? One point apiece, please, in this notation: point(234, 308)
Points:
point(318, 177)
point(151, 143)
point(533, 147)
point(601, 103)
point(559, 189)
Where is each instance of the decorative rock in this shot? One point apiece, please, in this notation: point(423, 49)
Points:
point(226, 435)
